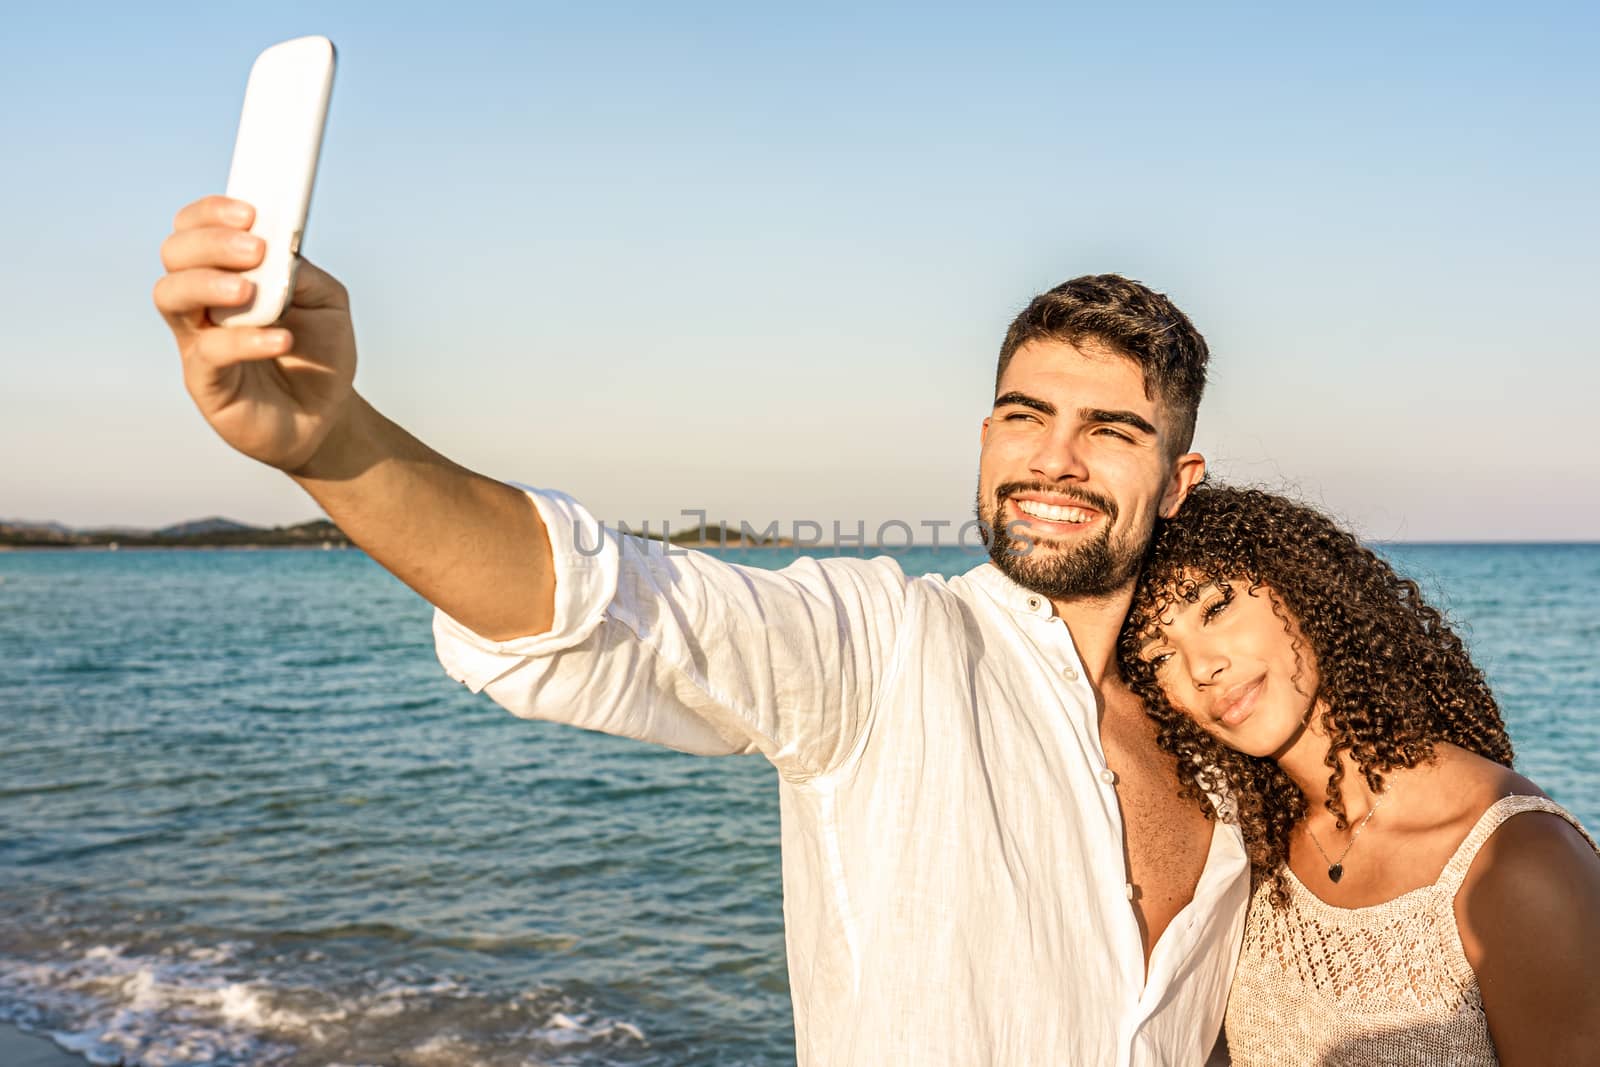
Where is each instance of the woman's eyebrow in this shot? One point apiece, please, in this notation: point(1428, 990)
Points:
point(1178, 604)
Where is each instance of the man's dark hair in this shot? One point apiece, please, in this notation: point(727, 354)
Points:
point(1131, 320)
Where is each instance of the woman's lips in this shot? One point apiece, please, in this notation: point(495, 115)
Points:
point(1237, 703)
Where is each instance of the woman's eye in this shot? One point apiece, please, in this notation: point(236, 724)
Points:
point(1159, 660)
point(1213, 609)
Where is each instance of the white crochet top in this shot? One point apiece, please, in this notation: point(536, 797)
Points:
point(1361, 987)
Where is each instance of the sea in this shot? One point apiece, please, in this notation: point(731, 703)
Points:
point(245, 818)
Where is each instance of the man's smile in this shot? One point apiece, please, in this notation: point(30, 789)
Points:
point(1055, 513)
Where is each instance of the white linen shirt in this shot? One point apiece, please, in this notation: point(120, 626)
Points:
point(953, 877)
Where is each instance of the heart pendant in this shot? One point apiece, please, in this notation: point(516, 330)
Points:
point(1335, 872)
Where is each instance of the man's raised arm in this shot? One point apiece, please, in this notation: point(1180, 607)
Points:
point(285, 395)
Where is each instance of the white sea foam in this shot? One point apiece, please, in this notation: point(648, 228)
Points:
point(157, 1010)
point(200, 1004)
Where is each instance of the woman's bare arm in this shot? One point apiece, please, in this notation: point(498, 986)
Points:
point(1529, 917)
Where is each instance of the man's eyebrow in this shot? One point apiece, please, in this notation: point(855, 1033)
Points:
point(1121, 418)
point(1043, 407)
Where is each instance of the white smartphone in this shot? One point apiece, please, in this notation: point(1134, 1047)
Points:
point(275, 165)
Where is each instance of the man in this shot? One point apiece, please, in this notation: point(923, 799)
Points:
point(984, 857)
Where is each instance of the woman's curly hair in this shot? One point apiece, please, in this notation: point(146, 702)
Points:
point(1394, 677)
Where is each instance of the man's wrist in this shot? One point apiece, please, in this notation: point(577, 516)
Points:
point(346, 450)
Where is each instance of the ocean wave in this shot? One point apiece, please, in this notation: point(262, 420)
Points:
point(187, 1004)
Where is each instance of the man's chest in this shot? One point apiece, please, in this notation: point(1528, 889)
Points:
point(1165, 837)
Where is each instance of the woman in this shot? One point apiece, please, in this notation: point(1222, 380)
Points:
point(1401, 915)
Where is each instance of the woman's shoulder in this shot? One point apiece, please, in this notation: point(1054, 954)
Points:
point(1446, 797)
point(1478, 780)
point(1531, 852)
point(1470, 787)
point(1528, 917)
point(1528, 869)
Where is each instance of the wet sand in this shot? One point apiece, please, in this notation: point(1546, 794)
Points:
point(18, 1049)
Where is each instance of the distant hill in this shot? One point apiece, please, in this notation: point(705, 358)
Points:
point(215, 532)
point(219, 532)
point(719, 535)
point(50, 527)
point(199, 527)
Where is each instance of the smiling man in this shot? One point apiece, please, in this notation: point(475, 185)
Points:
point(985, 860)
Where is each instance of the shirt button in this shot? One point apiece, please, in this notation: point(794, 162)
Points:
point(1069, 673)
point(1108, 776)
point(1033, 603)
point(1129, 890)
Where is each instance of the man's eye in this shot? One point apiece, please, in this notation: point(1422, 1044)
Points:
point(1106, 431)
point(1015, 415)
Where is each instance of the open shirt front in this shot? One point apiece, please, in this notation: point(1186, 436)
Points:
point(953, 876)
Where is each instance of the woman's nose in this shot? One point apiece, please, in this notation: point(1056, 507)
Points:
point(1206, 664)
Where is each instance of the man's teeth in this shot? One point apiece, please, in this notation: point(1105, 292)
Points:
point(1053, 512)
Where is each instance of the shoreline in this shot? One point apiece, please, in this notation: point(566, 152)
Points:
point(309, 547)
point(18, 1048)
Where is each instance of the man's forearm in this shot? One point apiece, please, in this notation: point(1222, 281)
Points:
point(470, 545)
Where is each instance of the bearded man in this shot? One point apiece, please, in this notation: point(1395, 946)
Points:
point(985, 859)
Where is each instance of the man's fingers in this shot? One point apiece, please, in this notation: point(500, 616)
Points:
point(224, 348)
point(212, 246)
point(215, 211)
point(182, 298)
point(210, 242)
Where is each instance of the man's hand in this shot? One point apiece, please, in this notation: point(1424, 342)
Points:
point(273, 393)
point(285, 395)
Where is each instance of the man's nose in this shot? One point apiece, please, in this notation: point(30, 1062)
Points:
point(1059, 458)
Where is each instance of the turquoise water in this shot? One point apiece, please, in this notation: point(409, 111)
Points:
point(245, 818)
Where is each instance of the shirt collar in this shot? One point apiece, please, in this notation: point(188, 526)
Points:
point(1009, 594)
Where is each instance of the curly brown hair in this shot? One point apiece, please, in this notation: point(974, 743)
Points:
point(1393, 675)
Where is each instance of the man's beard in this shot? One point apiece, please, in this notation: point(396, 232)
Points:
point(1096, 568)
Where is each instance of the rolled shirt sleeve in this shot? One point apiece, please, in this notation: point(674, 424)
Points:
point(685, 650)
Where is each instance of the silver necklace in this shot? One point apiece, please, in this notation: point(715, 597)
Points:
point(1336, 867)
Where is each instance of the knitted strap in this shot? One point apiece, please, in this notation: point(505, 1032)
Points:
point(1498, 812)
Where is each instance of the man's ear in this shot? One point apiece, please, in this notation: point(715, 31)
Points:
point(983, 434)
point(1188, 470)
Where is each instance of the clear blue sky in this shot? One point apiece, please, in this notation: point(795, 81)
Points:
point(758, 259)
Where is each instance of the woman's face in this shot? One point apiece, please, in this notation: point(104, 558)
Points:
point(1228, 660)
